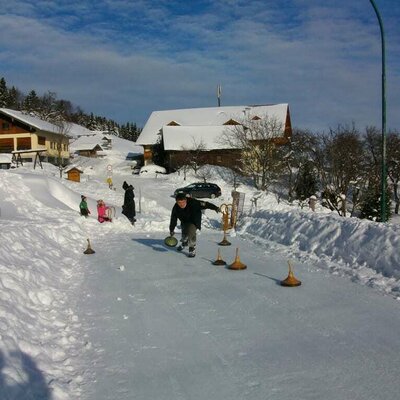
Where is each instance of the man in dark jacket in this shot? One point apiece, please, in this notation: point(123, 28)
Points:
point(128, 209)
point(188, 211)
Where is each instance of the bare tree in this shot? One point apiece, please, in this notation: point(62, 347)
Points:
point(63, 129)
point(340, 162)
point(256, 140)
point(393, 166)
point(194, 157)
point(300, 152)
point(370, 192)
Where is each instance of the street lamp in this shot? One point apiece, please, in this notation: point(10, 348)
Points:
point(384, 170)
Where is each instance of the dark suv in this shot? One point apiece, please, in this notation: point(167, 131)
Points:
point(200, 190)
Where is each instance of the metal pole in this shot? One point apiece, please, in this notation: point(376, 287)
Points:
point(384, 168)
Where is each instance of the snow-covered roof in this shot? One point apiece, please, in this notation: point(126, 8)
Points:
point(86, 143)
point(191, 137)
point(118, 144)
point(211, 116)
point(79, 130)
point(71, 129)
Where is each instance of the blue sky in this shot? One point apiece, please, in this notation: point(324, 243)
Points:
point(123, 59)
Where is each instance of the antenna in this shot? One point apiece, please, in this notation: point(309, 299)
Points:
point(219, 92)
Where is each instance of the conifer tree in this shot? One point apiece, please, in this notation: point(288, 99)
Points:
point(370, 205)
point(306, 184)
point(32, 102)
point(3, 93)
point(14, 99)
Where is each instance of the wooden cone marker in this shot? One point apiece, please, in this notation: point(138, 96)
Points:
point(237, 265)
point(89, 250)
point(219, 260)
point(224, 241)
point(290, 281)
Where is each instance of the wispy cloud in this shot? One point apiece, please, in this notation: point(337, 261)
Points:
point(124, 59)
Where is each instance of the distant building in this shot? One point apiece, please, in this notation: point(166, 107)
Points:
point(91, 146)
point(74, 174)
point(99, 144)
point(179, 132)
point(23, 131)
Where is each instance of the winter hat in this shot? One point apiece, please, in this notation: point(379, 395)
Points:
point(125, 185)
point(180, 196)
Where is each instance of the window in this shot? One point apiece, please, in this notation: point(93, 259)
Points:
point(41, 140)
point(6, 145)
point(5, 126)
point(24, 143)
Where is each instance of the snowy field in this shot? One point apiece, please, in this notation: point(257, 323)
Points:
point(137, 320)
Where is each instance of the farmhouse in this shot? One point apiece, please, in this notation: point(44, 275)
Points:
point(99, 144)
point(184, 131)
point(22, 131)
point(88, 146)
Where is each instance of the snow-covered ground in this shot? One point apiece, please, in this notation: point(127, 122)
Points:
point(137, 320)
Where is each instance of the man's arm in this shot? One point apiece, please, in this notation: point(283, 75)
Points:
point(206, 205)
point(173, 220)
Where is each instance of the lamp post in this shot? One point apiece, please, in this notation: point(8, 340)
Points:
point(384, 169)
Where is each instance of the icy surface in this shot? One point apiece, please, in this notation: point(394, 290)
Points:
point(137, 320)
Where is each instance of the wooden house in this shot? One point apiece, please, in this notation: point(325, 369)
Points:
point(22, 131)
point(181, 133)
point(74, 174)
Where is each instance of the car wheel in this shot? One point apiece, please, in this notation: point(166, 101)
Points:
point(213, 196)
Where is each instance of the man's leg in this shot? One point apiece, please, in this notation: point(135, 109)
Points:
point(192, 240)
point(184, 239)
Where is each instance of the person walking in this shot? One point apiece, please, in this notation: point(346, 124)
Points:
point(83, 207)
point(188, 211)
point(128, 208)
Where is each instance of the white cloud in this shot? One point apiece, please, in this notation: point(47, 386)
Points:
point(122, 56)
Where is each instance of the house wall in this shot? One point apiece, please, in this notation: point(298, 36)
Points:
point(74, 175)
point(147, 154)
point(16, 136)
point(87, 153)
point(223, 158)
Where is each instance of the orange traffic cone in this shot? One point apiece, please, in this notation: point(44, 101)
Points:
point(89, 250)
point(225, 241)
point(237, 264)
point(290, 281)
point(219, 260)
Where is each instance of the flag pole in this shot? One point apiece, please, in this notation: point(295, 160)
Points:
point(219, 91)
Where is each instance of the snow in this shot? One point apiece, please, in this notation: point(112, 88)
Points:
point(118, 145)
point(152, 170)
point(5, 158)
point(209, 116)
point(137, 320)
point(71, 129)
point(192, 137)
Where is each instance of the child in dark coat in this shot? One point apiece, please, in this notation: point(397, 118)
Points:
point(83, 207)
point(128, 208)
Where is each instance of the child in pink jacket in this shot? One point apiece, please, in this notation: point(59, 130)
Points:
point(102, 212)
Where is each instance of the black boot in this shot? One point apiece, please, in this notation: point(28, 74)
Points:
point(182, 246)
